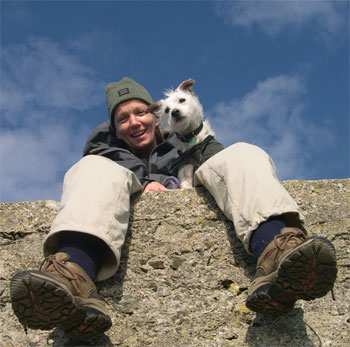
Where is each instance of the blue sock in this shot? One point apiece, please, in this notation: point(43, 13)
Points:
point(264, 234)
point(83, 249)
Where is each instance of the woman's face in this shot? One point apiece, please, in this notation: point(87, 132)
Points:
point(136, 127)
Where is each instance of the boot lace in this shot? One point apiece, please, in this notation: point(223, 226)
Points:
point(62, 269)
point(281, 240)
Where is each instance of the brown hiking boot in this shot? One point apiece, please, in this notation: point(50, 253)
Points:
point(292, 267)
point(60, 295)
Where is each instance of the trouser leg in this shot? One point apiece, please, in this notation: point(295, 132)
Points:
point(96, 200)
point(242, 179)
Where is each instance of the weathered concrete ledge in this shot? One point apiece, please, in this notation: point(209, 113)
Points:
point(184, 276)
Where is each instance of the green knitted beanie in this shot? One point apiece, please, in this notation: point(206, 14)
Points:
point(125, 89)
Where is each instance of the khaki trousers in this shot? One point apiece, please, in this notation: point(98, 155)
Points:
point(96, 197)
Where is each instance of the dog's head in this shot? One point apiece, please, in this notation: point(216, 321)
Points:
point(180, 111)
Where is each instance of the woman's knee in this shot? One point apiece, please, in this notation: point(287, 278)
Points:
point(241, 153)
point(246, 149)
point(98, 162)
point(95, 165)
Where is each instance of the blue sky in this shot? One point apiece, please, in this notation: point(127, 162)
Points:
point(271, 73)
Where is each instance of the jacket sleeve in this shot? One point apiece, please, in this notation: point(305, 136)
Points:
point(212, 147)
point(133, 163)
point(102, 141)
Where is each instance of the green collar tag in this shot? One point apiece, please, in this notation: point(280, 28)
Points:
point(193, 140)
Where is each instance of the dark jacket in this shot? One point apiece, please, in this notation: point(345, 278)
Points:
point(164, 160)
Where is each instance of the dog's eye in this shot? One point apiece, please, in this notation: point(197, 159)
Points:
point(167, 110)
point(182, 100)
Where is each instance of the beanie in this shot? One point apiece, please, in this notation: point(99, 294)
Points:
point(125, 89)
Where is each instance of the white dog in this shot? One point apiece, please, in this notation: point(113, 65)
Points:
point(181, 112)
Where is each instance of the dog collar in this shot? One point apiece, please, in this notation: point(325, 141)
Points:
point(192, 136)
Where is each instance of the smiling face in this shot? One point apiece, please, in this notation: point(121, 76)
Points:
point(136, 127)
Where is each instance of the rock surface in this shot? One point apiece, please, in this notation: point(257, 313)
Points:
point(184, 276)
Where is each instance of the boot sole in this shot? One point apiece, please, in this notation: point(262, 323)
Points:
point(270, 300)
point(40, 303)
point(307, 273)
point(92, 323)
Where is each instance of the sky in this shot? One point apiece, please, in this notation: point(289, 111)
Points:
point(271, 73)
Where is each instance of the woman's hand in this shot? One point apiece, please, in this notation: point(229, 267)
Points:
point(153, 186)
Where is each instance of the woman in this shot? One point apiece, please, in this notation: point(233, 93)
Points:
point(128, 154)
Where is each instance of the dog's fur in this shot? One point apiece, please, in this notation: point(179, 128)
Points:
point(181, 112)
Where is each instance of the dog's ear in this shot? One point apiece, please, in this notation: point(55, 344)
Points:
point(154, 108)
point(187, 85)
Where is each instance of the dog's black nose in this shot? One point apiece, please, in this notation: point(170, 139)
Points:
point(175, 113)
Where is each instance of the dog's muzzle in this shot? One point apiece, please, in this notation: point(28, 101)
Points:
point(176, 114)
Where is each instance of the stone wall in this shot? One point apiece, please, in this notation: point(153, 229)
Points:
point(184, 276)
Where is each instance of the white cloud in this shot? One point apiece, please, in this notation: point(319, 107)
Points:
point(276, 15)
point(35, 158)
point(31, 162)
point(44, 89)
point(40, 74)
point(274, 117)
